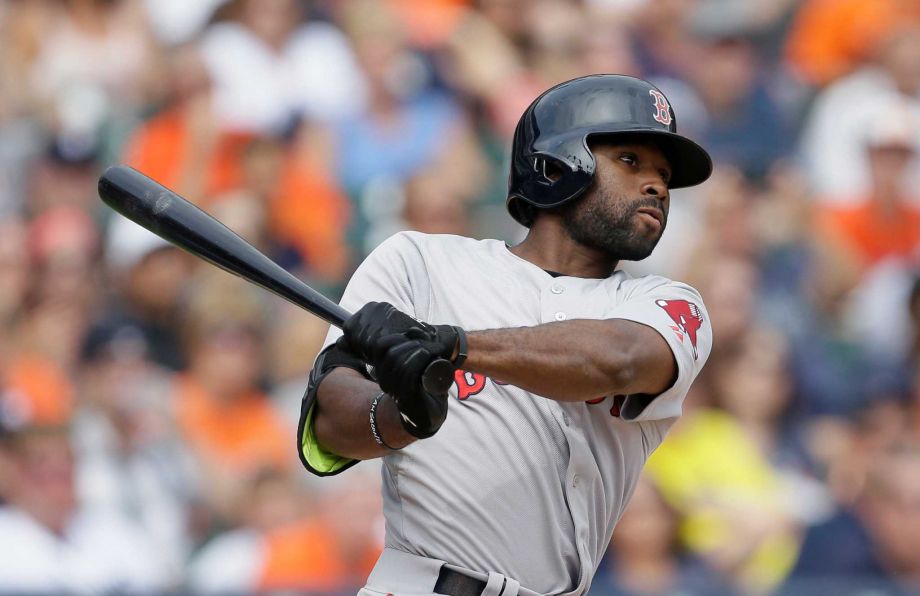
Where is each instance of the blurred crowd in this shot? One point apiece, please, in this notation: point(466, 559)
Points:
point(148, 401)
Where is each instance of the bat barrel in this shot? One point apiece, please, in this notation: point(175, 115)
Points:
point(166, 214)
point(158, 209)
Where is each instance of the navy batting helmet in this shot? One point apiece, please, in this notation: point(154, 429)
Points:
point(556, 126)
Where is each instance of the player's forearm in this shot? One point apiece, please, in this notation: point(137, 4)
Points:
point(342, 419)
point(569, 361)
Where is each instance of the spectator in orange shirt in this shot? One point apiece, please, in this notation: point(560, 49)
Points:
point(183, 147)
point(295, 541)
point(34, 389)
point(33, 385)
point(886, 223)
point(429, 24)
point(301, 206)
point(328, 551)
point(229, 423)
point(830, 38)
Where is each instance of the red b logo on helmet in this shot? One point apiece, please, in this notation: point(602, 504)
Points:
point(662, 107)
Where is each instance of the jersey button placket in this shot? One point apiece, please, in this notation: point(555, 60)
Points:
point(558, 301)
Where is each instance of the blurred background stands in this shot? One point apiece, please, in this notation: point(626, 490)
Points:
point(149, 401)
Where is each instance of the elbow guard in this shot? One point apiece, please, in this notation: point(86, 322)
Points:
point(311, 454)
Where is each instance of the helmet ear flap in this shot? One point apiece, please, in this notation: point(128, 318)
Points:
point(525, 213)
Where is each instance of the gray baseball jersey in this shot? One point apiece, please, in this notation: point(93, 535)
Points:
point(514, 482)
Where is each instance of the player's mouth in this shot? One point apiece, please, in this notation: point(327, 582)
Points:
point(654, 217)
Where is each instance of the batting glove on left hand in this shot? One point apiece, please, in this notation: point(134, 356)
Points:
point(364, 331)
point(399, 368)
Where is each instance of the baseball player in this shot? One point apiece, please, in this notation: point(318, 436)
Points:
point(569, 372)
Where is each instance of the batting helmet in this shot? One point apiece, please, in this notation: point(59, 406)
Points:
point(556, 127)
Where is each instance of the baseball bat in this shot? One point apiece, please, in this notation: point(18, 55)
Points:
point(151, 205)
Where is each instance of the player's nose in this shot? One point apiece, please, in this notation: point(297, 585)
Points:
point(654, 186)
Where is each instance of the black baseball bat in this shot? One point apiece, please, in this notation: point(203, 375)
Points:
point(151, 205)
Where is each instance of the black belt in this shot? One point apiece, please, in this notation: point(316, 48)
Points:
point(456, 584)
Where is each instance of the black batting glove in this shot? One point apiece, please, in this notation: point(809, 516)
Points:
point(363, 331)
point(374, 320)
point(399, 370)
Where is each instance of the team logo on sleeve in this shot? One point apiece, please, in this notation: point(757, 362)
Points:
point(687, 319)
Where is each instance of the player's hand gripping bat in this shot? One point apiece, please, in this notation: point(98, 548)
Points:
point(158, 209)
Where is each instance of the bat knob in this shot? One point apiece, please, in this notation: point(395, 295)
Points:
point(438, 377)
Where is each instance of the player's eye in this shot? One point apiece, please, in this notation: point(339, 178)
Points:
point(665, 176)
point(629, 158)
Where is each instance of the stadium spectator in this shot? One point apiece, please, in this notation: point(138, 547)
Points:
point(226, 419)
point(53, 542)
point(293, 332)
point(291, 540)
point(645, 556)
point(270, 64)
point(316, 128)
point(841, 118)
point(830, 38)
point(148, 275)
point(129, 457)
point(64, 173)
point(184, 146)
point(308, 211)
point(14, 269)
point(871, 544)
point(740, 507)
point(97, 44)
point(401, 130)
point(744, 125)
point(886, 223)
point(66, 245)
point(913, 308)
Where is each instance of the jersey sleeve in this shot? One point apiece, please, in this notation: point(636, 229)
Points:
point(677, 313)
point(393, 272)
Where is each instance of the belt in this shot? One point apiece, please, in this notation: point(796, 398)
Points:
point(456, 584)
point(401, 572)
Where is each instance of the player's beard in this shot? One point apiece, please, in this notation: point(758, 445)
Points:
point(608, 223)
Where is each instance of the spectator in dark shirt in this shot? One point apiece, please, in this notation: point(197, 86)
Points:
point(872, 544)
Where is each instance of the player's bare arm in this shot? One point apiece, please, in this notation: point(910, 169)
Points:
point(568, 361)
point(576, 360)
point(341, 421)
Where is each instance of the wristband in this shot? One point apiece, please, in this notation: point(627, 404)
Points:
point(461, 347)
point(373, 419)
